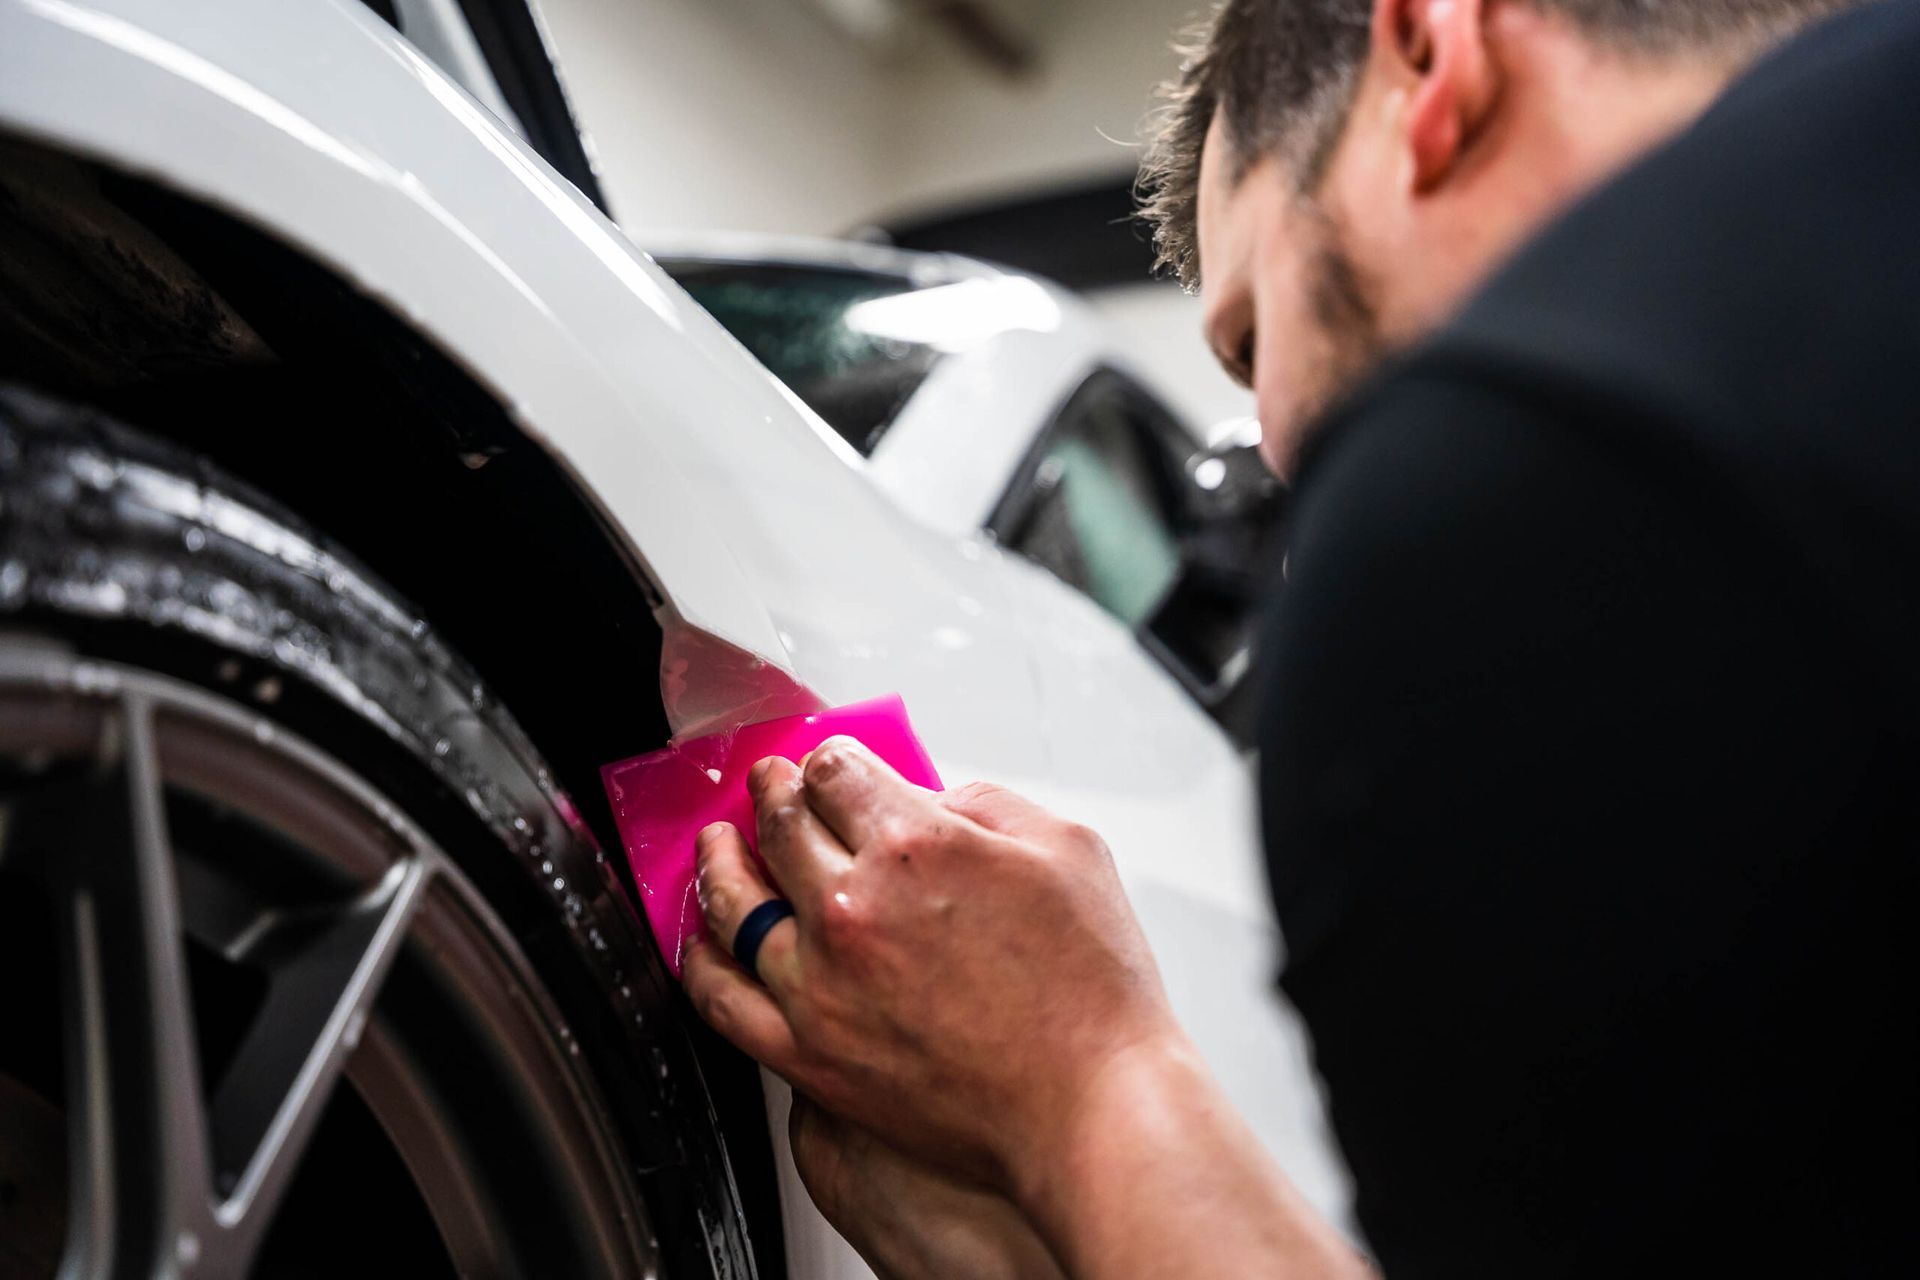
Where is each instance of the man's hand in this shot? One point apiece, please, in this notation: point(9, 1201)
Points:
point(962, 979)
point(909, 1220)
point(959, 971)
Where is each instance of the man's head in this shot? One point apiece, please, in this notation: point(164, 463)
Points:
point(1336, 175)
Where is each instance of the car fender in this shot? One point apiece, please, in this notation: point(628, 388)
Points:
point(323, 126)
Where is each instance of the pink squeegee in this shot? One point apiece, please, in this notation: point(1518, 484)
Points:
point(663, 799)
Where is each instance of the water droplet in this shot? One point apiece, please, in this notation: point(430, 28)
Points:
point(419, 629)
point(546, 868)
point(262, 732)
point(92, 470)
point(267, 690)
point(441, 747)
point(559, 882)
point(196, 540)
point(187, 1247)
point(714, 774)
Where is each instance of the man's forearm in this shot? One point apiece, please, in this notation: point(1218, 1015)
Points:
point(1152, 1172)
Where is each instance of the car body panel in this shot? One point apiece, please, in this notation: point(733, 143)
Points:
point(313, 120)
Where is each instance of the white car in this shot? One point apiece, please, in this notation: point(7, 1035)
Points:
point(988, 401)
point(362, 490)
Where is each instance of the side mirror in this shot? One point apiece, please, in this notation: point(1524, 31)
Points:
point(1203, 627)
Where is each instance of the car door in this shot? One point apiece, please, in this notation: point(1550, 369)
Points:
point(1118, 501)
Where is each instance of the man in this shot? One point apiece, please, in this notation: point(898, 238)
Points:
point(1589, 745)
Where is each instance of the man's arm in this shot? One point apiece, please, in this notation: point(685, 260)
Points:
point(963, 978)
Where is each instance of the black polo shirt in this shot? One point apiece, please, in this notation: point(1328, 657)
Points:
point(1589, 747)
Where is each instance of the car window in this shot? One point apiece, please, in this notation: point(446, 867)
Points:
point(1097, 503)
point(805, 324)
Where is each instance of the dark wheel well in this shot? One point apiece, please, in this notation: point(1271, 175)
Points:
point(202, 330)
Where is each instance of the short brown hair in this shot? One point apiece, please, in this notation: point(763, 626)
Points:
point(1282, 74)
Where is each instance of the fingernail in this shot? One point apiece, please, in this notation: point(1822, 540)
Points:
point(758, 774)
point(708, 834)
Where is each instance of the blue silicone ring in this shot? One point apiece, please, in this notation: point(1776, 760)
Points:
point(754, 930)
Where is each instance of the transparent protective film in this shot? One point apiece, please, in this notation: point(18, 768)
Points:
point(663, 799)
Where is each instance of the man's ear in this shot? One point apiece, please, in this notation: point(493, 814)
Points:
point(1439, 47)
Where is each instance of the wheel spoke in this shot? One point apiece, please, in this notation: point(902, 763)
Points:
point(140, 1193)
point(163, 1182)
point(325, 969)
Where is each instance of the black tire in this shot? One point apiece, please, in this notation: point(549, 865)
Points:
point(121, 548)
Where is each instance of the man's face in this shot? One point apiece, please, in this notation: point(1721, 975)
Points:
point(1287, 311)
point(1471, 125)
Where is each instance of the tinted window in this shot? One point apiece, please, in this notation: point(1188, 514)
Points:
point(804, 324)
point(1098, 505)
point(1117, 501)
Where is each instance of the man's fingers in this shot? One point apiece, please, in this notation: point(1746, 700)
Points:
point(730, 886)
point(738, 1007)
point(859, 795)
point(803, 854)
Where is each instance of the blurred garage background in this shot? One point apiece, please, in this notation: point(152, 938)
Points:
point(1003, 129)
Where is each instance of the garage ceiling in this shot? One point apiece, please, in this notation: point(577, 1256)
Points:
point(999, 34)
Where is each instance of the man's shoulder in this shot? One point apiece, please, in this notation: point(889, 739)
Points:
point(1759, 271)
point(1739, 314)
